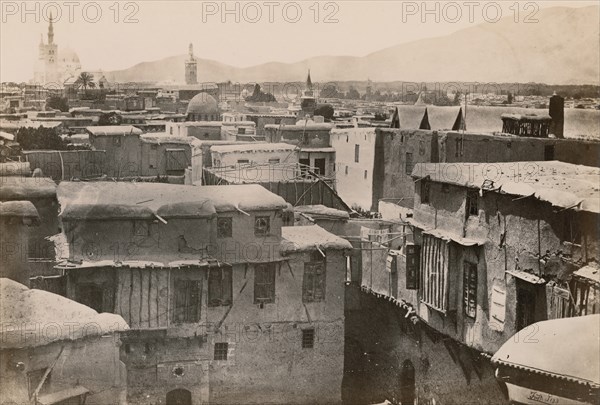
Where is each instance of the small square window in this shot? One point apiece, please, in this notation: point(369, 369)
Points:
point(262, 226)
point(224, 227)
point(274, 161)
point(221, 351)
point(117, 141)
point(308, 338)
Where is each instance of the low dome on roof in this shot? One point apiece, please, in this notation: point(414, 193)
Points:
point(203, 104)
point(68, 55)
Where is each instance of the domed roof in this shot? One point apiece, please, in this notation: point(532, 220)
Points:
point(203, 103)
point(68, 55)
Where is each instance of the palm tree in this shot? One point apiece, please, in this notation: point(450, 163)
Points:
point(85, 80)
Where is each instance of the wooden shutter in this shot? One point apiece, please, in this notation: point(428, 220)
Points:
point(412, 266)
point(434, 273)
point(226, 288)
point(176, 159)
point(187, 301)
point(319, 281)
point(214, 287)
point(308, 293)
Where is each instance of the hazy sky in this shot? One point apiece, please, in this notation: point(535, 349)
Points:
point(99, 33)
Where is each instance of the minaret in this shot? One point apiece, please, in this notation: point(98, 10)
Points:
point(308, 103)
point(51, 53)
point(50, 32)
point(191, 68)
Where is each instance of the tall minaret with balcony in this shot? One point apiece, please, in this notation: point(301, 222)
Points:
point(191, 68)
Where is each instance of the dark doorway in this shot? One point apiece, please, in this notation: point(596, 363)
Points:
point(407, 383)
point(91, 295)
point(525, 308)
point(549, 152)
point(179, 397)
point(320, 166)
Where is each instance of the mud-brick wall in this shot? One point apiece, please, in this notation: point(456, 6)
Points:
point(14, 249)
point(401, 150)
point(354, 180)
point(244, 246)
point(158, 364)
point(122, 240)
point(457, 147)
point(67, 165)
point(92, 362)
point(380, 340)
point(155, 158)
point(122, 160)
point(267, 363)
point(524, 234)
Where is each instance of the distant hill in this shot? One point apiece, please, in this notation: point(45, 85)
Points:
point(562, 48)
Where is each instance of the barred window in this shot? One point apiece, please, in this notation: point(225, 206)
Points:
point(221, 351)
point(434, 273)
point(308, 338)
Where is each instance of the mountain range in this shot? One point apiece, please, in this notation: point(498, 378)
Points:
point(561, 48)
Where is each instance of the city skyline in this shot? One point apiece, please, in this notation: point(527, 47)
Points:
point(132, 43)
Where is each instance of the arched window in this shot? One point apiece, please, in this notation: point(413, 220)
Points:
point(179, 396)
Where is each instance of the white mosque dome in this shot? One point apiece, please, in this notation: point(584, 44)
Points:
point(68, 56)
point(203, 104)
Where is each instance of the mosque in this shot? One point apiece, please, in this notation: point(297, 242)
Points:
point(52, 65)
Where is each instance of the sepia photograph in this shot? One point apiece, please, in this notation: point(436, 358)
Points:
point(310, 202)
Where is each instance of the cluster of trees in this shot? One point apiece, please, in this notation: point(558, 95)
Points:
point(260, 96)
point(57, 103)
point(325, 110)
point(43, 139)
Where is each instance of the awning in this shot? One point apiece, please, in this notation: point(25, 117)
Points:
point(523, 275)
point(55, 397)
point(563, 349)
point(590, 273)
point(449, 236)
point(445, 235)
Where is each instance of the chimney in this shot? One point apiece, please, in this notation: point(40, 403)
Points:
point(557, 112)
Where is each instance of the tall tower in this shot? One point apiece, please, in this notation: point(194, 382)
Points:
point(191, 68)
point(51, 55)
point(308, 103)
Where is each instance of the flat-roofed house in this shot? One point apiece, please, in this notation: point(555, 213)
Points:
point(225, 304)
point(501, 245)
point(44, 339)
